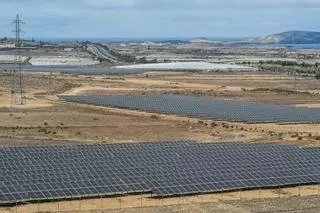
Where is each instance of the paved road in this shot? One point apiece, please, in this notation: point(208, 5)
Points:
point(101, 52)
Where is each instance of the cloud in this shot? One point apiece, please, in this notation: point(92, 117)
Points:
point(159, 18)
point(226, 4)
point(110, 3)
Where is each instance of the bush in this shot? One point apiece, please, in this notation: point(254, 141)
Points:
point(44, 130)
point(154, 117)
point(225, 126)
point(214, 125)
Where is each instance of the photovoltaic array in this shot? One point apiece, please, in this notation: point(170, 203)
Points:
point(163, 168)
point(228, 110)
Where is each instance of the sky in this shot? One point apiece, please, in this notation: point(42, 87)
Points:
point(158, 18)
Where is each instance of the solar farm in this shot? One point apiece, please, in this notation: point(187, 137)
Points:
point(161, 168)
point(141, 139)
point(217, 109)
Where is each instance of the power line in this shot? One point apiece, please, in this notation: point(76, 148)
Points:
point(17, 90)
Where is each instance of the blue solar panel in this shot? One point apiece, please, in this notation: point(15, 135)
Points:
point(217, 109)
point(163, 168)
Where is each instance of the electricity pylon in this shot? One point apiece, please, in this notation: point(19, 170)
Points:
point(17, 91)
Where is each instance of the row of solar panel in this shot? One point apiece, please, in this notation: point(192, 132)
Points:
point(112, 164)
point(76, 150)
point(143, 159)
point(74, 175)
point(178, 189)
point(124, 178)
point(213, 167)
point(64, 168)
point(241, 111)
point(21, 162)
point(148, 154)
point(177, 168)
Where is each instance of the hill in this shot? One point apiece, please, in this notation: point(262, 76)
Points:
point(290, 37)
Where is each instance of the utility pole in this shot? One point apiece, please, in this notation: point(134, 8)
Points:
point(50, 87)
point(17, 91)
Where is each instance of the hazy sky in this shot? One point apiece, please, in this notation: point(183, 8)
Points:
point(158, 18)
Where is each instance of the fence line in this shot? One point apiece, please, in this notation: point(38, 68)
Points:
point(140, 201)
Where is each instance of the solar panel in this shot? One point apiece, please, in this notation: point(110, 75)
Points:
point(241, 111)
point(163, 168)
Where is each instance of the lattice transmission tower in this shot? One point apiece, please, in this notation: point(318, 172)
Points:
point(17, 90)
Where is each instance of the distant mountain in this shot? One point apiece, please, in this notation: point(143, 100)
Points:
point(290, 37)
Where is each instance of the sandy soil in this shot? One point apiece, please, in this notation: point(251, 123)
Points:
point(94, 124)
point(32, 102)
point(303, 91)
point(100, 124)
